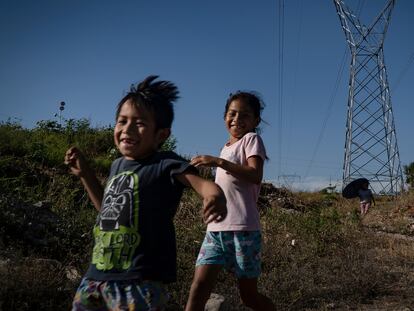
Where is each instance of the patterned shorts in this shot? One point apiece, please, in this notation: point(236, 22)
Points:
point(120, 295)
point(238, 251)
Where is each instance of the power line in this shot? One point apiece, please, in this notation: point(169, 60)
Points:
point(328, 112)
point(295, 74)
point(404, 71)
point(331, 100)
point(281, 74)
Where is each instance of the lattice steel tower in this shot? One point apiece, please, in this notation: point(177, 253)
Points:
point(371, 149)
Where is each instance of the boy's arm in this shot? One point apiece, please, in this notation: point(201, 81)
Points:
point(78, 166)
point(214, 201)
point(252, 172)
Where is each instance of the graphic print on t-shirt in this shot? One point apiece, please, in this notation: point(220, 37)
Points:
point(116, 232)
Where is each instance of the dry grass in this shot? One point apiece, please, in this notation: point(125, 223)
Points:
point(34, 284)
point(337, 262)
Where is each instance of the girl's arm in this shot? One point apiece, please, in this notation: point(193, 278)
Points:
point(214, 201)
point(78, 166)
point(252, 172)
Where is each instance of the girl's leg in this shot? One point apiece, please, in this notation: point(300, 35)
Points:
point(209, 262)
point(248, 246)
point(204, 279)
point(252, 298)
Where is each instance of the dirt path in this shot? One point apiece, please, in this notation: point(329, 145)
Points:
point(394, 225)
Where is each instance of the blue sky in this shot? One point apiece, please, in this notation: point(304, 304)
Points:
point(87, 53)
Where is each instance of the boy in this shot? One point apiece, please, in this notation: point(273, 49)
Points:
point(135, 250)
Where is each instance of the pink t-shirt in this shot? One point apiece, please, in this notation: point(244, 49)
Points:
point(241, 196)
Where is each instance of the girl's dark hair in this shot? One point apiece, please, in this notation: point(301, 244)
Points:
point(156, 96)
point(252, 99)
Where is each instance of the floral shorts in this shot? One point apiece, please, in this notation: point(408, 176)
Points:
point(120, 295)
point(238, 251)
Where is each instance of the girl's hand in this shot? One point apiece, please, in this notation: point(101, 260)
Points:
point(205, 160)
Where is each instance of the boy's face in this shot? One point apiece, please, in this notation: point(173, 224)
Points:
point(135, 133)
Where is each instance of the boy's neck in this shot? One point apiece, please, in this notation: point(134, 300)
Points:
point(141, 158)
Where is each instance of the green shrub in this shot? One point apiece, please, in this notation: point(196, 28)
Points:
point(13, 139)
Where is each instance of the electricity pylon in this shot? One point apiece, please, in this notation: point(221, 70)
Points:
point(371, 149)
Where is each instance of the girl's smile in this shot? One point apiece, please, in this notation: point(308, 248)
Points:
point(240, 120)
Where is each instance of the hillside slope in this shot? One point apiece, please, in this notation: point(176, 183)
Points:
point(318, 254)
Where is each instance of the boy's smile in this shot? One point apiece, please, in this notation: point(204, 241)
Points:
point(135, 133)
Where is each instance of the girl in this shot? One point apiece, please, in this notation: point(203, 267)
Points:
point(235, 243)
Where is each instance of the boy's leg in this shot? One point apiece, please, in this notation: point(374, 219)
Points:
point(204, 279)
point(135, 295)
point(251, 297)
point(88, 296)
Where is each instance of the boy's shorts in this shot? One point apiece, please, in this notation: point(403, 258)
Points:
point(238, 251)
point(120, 295)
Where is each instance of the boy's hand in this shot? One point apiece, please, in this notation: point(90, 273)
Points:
point(214, 200)
point(214, 208)
point(76, 162)
point(79, 167)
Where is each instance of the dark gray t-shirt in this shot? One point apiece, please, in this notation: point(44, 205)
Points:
point(134, 233)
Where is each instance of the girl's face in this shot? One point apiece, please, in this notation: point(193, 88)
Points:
point(240, 120)
point(136, 134)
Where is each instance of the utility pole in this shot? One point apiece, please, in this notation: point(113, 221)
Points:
point(371, 149)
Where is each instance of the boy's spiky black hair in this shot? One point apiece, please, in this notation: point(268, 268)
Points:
point(156, 96)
